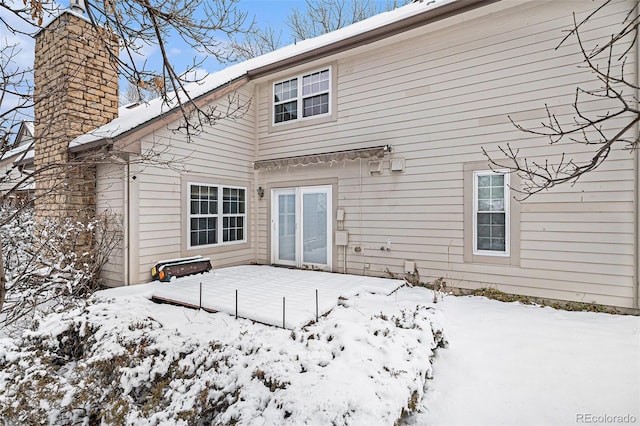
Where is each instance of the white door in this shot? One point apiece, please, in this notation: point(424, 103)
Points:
point(284, 217)
point(302, 226)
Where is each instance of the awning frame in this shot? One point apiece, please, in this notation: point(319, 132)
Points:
point(322, 158)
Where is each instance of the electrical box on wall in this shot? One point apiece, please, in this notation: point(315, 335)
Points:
point(375, 167)
point(342, 238)
point(340, 214)
point(397, 165)
point(409, 266)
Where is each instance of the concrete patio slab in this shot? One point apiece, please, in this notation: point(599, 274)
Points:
point(263, 290)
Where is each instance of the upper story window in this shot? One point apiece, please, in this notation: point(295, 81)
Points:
point(304, 96)
point(217, 215)
point(491, 213)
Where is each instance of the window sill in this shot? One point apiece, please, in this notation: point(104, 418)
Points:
point(214, 246)
point(305, 122)
point(214, 249)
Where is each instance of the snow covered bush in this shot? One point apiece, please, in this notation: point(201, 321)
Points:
point(45, 268)
point(132, 362)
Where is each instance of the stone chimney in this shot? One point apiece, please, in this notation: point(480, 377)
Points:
point(76, 91)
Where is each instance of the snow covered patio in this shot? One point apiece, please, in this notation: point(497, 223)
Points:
point(276, 296)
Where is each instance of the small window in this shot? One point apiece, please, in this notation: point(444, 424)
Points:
point(491, 213)
point(217, 215)
point(305, 96)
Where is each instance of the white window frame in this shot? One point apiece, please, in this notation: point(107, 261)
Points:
point(300, 97)
point(218, 216)
point(507, 215)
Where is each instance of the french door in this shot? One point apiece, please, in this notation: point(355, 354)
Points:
point(301, 226)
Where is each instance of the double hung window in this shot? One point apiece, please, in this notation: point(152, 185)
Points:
point(217, 215)
point(491, 213)
point(304, 96)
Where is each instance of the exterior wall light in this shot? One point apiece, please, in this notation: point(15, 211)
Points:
point(260, 192)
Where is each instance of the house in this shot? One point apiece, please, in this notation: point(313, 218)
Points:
point(13, 175)
point(360, 151)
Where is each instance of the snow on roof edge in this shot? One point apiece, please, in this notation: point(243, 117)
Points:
point(15, 151)
point(18, 146)
point(130, 119)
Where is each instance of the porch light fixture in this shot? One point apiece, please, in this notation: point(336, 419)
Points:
point(260, 192)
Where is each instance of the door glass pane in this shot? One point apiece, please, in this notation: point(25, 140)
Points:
point(287, 227)
point(314, 232)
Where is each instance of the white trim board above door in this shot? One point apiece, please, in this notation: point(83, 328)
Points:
point(302, 226)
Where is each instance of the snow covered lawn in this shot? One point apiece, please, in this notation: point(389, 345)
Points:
point(261, 290)
point(509, 364)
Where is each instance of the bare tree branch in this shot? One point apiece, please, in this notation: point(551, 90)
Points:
point(594, 130)
point(317, 17)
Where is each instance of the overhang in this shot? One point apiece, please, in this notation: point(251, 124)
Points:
point(325, 157)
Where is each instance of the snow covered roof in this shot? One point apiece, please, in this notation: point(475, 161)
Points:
point(130, 119)
point(22, 142)
point(15, 151)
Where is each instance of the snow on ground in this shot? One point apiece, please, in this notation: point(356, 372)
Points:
point(510, 364)
point(363, 363)
point(261, 290)
point(144, 363)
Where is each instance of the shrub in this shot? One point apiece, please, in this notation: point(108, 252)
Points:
point(45, 266)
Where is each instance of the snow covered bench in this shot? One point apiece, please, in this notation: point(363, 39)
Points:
point(164, 270)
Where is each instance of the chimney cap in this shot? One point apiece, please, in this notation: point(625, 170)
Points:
point(77, 6)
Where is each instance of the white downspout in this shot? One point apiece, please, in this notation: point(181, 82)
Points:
point(256, 182)
point(636, 190)
point(127, 225)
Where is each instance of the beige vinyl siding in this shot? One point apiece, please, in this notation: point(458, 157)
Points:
point(444, 82)
point(110, 201)
point(222, 153)
point(437, 97)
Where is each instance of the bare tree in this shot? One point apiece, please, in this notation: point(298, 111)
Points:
point(607, 60)
point(324, 16)
point(256, 43)
point(135, 94)
point(139, 23)
point(317, 17)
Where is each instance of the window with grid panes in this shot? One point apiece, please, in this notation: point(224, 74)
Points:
point(233, 214)
point(491, 214)
point(217, 215)
point(304, 96)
